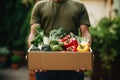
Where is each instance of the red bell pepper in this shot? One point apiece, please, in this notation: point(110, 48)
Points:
point(67, 43)
point(71, 42)
point(64, 38)
point(71, 48)
point(74, 42)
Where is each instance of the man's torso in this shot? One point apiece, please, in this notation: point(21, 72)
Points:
point(54, 15)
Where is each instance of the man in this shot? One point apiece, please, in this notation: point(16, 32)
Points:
point(72, 16)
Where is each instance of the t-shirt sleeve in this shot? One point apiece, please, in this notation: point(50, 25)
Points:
point(35, 15)
point(84, 18)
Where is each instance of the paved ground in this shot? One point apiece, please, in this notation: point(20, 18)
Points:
point(19, 74)
point(10, 74)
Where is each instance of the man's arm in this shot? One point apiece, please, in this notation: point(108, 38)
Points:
point(31, 37)
point(32, 33)
point(84, 29)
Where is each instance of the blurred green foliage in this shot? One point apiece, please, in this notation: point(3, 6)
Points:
point(106, 37)
point(4, 51)
point(15, 15)
point(16, 59)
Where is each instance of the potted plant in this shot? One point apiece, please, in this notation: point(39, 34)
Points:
point(4, 53)
point(106, 47)
point(16, 61)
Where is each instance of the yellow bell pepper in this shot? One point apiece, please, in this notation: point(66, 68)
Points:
point(83, 48)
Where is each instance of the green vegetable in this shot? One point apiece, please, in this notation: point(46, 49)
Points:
point(46, 47)
point(53, 42)
point(72, 35)
point(60, 49)
point(46, 40)
point(57, 34)
point(34, 48)
point(56, 48)
point(61, 44)
point(38, 37)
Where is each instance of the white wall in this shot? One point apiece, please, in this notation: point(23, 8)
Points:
point(117, 6)
point(97, 9)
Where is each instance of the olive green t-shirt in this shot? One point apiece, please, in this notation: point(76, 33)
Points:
point(69, 15)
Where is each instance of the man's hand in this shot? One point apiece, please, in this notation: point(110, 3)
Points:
point(80, 70)
point(39, 70)
point(26, 57)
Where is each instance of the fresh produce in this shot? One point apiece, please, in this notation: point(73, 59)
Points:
point(66, 37)
point(61, 44)
point(53, 42)
point(71, 48)
point(46, 47)
point(38, 37)
point(34, 48)
point(74, 42)
point(67, 43)
point(46, 40)
point(58, 40)
point(70, 42)
point(83, 47)
point(56, 46)
point(57, 34)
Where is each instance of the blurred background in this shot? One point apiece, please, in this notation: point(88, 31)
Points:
point(105, 30)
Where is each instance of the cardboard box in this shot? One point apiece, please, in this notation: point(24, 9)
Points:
point(38, 60)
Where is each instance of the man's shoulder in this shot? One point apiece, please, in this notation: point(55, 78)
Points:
point(41, 2)
point(77, 3)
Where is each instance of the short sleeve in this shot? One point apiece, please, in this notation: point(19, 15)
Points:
point(84, 18)
point(35, 15)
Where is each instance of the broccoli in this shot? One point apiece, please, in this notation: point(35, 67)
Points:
point(57, 34)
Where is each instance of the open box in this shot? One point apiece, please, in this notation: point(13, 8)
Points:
point(59, 60)
point(43, 60)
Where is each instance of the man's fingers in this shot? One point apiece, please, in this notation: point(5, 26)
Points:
point(39, 70)
point(42, 71)
point(83, 69)
point(77, 70)
point(80, 70)
point(36, 70)
point(26, 57)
